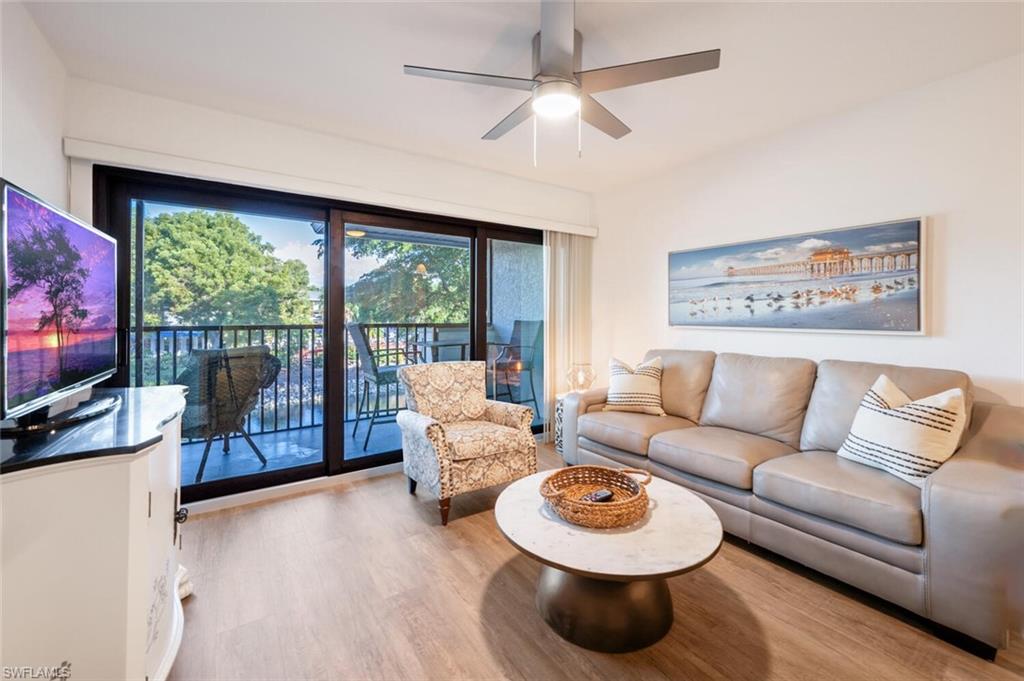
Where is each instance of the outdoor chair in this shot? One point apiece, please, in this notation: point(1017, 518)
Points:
point(223, 387)
point(379, 368)
point(516, 360)
point(454, 439)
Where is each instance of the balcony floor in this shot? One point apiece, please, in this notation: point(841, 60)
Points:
point(283, 449)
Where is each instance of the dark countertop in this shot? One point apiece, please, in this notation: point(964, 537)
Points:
point(131, 427)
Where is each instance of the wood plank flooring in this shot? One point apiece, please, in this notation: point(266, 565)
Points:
point(362, 582)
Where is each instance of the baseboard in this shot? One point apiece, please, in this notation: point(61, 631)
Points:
point(268, 493)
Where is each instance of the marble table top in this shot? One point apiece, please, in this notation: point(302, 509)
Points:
point(134, 425)
point(679, 533)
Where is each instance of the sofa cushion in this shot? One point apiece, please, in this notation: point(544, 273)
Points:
point(626, 431)
point(720, 454)
point(602, 455)
point(822, 484)
point(760, 395)
point(475, 439)
point(685, 375)
point(841, 385)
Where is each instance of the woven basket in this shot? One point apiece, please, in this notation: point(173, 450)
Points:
point(563, 491)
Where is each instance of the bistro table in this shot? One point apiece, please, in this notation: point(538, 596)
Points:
point(433, 345)
point(419, 346)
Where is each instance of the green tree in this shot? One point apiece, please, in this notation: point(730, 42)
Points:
point(204, 267)
point(415, 283)
point(44, 257)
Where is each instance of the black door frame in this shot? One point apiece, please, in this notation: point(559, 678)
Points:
point(114, 187)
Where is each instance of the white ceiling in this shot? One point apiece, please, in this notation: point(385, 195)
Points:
point(337, 68)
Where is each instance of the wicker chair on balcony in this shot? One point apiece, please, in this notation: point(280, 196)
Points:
point(514, 365)
point(454, 439)
point(223, 387)
point(379, 368)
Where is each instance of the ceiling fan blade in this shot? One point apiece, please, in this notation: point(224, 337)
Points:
point(601, 118)
point(519, 114)
point(469, 77)
point(613, 77)
point(557, 38)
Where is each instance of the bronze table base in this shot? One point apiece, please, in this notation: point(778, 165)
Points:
point(602, 615)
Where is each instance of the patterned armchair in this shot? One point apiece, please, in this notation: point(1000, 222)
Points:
point(454, 439)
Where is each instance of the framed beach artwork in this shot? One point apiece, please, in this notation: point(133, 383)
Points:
point(867, 279)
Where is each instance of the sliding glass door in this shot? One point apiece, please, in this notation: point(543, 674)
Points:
point(230, 303)
point(515, 321)
point(288, 318)
point(407, 301)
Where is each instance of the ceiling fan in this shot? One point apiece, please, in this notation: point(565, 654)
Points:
point(559, 88)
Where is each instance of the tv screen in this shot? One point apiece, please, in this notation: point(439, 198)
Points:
point(59, 303)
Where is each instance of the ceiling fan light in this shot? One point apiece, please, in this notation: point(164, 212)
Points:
point(556, 99)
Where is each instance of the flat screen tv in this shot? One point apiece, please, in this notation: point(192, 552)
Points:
point(59, 301)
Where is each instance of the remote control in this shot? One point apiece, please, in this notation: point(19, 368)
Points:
point(600, 495)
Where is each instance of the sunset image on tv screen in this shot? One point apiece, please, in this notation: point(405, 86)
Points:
point(60, 303)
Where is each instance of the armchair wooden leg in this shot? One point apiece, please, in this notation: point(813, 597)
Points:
point(445, 506)
point(412, 486)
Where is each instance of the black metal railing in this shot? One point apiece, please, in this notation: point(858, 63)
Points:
point(396, 344)
point(295, 400)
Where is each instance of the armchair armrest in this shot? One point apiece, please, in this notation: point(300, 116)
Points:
point(506, 414)
point(575, 405)
point(426, 456)
point(974, 529)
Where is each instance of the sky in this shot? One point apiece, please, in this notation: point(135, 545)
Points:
point(97, 253)
point(292, 240)
point(712, 262)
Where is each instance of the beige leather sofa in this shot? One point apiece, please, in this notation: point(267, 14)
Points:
point(756, 438)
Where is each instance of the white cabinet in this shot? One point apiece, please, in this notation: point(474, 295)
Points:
point(90, 545)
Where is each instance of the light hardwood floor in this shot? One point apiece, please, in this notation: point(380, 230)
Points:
point(362, 582)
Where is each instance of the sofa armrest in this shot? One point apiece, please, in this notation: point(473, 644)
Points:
point(426, 456)
point(574, 405)
point(974, 529)
point(507, 414)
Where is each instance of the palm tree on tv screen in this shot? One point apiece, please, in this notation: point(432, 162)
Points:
point(44, 258)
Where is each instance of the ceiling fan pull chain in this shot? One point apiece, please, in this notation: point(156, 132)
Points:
point(579, 133)
point(534, 141)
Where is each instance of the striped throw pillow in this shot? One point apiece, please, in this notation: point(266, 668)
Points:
point(908, 438)
point(637, 390)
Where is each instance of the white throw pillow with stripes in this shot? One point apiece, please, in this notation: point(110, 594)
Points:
point(637, 390)
point(908, 438)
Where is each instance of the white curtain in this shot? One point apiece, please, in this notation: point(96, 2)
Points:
point(566, 313)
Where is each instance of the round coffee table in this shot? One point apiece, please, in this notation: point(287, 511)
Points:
point(606, 590)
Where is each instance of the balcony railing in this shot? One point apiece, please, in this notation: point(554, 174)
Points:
point(295, 400)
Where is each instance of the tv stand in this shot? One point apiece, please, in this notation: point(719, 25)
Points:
point(89, 550)
point(41, 422)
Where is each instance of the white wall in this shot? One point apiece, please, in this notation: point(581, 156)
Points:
point(120, 127)
point(32, 108)
point(950, 150)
